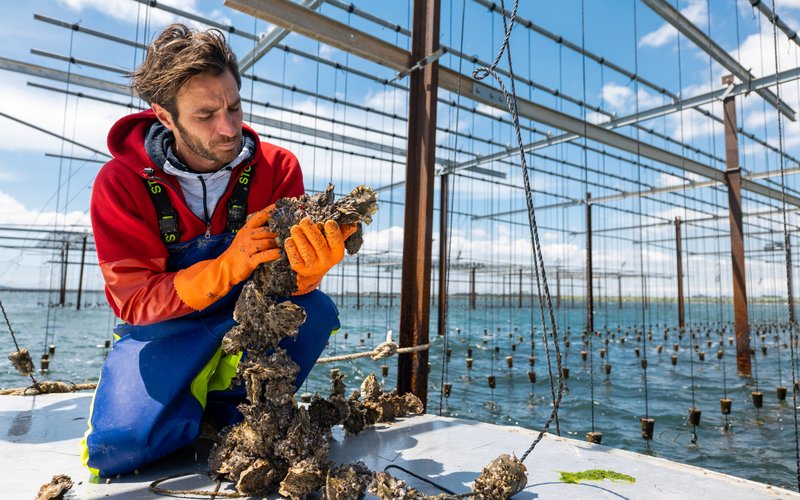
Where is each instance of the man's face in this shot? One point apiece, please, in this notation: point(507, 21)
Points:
point(208, 131)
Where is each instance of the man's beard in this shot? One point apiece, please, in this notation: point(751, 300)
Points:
point(196, 145)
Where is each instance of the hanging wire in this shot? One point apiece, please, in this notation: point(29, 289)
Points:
point(680, 250)
point(589, 330)
point(14, 338)
point(639, 199)
point(787, 244)
point(541, 276)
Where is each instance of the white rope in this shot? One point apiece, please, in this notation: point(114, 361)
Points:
point(383, 350)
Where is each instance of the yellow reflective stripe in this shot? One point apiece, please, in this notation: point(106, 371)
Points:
point(84, 447)
point(216, 375)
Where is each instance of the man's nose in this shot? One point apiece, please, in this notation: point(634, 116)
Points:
point(227, 125)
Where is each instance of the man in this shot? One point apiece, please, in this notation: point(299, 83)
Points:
point(168, 214)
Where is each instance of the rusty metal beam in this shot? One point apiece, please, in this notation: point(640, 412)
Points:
point(733, 179)
point(412, 370)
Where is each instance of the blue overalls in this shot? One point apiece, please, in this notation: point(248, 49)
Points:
point(159, 380)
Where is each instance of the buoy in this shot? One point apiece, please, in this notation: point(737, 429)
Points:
point(675, 347)
point(513, 347)
point(758, 398)
point(497, 348)
point(565, 372)
point(361, 341)
point(725, 406)
point(694, 416)
point(674, 360)
point(583, 355)
point(764, 350)
point(658, 348)
point(708, 343)
point(531, 360)
point(594, 437)
point(602, 353)
point(107, 344)
point(636, 351)
point(305, 397)
point(369, 334)
point(701, 355)
point(469, 352)
point(51, 349)
point(607, 368)
point(385, 370)
point(781, 391)
point(566, 344)
point(532, 377)
point(334, 373)
point(448, 353)
point(345, 335)
point(448, 388)
point(648, 425)
point(492, 381)
point(644, 364)
point(510, 361)
point(720, 354)
point(469, 363)
point(44, 363)
point(730, 340)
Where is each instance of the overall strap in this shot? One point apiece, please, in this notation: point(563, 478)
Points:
point(167, 216)
point(237, 204)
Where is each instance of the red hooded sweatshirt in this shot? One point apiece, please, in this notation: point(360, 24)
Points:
point(132, 256)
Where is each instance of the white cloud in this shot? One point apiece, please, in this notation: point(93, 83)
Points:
point(129, 11)
point(695, 12)
point(86, 122)
point(14, 212)
point(621, 98)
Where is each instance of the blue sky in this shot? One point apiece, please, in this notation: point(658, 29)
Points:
point(29, 180)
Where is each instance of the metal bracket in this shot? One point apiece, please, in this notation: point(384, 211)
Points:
point(420, 64)
point(487, 93)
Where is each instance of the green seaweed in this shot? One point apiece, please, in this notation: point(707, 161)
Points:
point(595, 475)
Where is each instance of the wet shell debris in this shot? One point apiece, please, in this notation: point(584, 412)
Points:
point(22, 362)
point(278, 443)
point(277, 277)
point(504, 477)
point(56, 488)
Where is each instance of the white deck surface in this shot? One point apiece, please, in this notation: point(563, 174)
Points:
point(39, 438)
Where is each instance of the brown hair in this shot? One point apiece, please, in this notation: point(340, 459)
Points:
point(175, 56)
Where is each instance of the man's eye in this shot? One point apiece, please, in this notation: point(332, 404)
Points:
point(204, 118)
point(234, 109)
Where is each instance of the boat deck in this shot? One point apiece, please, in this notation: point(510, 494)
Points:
point(39, 438)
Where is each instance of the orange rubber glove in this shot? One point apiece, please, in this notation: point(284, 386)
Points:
point(203, 283)
point(312, 254)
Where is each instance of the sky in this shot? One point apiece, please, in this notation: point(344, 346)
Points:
point(38, 189)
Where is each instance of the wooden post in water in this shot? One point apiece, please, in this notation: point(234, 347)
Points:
point(443, 213)
point(472, 300)
point(412, 368)
point(80, 274)
point(679, 263)
point(358, 282)
point(733, 180)
point(62, 295)
point(558, 288)
point(589, 271)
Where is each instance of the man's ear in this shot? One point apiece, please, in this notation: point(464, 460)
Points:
point(164, 116)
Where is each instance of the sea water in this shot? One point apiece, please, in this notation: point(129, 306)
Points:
point(757, 444)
